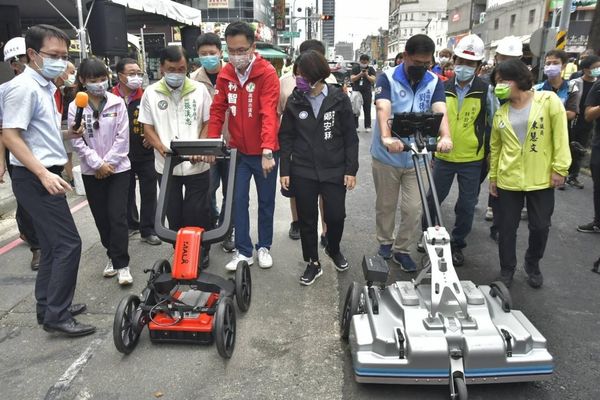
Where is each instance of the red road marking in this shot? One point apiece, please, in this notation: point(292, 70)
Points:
point(8, 247)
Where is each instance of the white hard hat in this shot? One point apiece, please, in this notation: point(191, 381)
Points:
point(14, 47)
point(470, 47)
point(510, 46)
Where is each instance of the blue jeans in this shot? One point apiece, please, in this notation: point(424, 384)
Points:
point(248, 167)
point(467, 174)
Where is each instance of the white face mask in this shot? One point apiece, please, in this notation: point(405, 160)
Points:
point(134, 82)
point(240, 61)
point(70, 81)
point(444, 60)
point(97, 89)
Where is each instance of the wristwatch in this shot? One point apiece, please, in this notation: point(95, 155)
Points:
point(268, 156)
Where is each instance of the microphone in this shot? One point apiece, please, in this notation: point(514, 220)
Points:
point(81, 101)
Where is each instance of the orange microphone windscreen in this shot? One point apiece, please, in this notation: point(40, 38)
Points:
point(81, 100)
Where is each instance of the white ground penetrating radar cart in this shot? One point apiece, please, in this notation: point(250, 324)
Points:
point(437, 329)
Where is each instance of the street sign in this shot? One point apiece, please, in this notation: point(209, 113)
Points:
point(288, 34)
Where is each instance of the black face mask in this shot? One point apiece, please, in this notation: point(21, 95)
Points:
point(415, 74)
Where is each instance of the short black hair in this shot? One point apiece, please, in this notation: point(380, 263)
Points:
point(35, 36)
point(240, 28)
point(419, 44)
point(588, 61)
point(312, 65)
point(399, 56)
point(172, 54)
point(120, 67)
point(364, 57)
point(513, 70)
point(558, 54)
point(208, 39)
point(312, 44)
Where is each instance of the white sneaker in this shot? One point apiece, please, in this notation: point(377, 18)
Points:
point(264, 258)
point(489, 214)
point(109, 271)
point(237, 257)
point(125, 277)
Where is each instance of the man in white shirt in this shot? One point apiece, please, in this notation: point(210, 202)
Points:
point(178, 107)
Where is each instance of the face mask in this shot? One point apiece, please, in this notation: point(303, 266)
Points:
point(51, 68)
point(595, 73)
point(364, 65)
point(502, 91)
point(210, 62)
point(302, 84)
point(444, 60)
point(464, 73)
point(415, 73)
point(552, 71)
point(449, 74)
point(174, 79)
point(240, 61)
point(70, 81)
point(134, 82)
point(97, 89)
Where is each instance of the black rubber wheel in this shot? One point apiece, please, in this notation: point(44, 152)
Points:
point(243, 286)
point(162, 266)
point(461, 388)
point(349, 310)
point(127, 325)
point(224, 327)
point(498, 288)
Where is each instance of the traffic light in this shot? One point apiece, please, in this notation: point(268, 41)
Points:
point(327, 17)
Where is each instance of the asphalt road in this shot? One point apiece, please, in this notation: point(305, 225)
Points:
point(288, 345)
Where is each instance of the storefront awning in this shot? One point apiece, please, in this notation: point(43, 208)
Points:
point(170, 9)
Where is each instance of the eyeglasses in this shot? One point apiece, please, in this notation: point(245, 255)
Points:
point(55, 56)
point(239, 51)
point(96, 124)
point(138, 74)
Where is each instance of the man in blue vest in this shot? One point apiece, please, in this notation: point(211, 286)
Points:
point(404, 88)
point(466, 96)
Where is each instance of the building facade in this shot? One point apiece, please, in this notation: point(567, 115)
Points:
point(328, 27)
point(411, 17)
point(375, 46)
point(345, 50)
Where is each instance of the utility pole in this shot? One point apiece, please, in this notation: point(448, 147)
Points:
point(565, 16)
point(81, 32)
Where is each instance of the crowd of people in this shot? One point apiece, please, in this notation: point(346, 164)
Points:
point(528, 139)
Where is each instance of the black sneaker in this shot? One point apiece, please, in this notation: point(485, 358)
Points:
point(573, 181)
point(535, 280)
point(205, 258)
point(294, 232)
point(228, 243)
point(506, 277)
point(592, 227)
point(324, 241)
point(458, 259)
point(341, 264)
point(311, 273)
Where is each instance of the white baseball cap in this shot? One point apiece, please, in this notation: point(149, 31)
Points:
point(470, 47)
point(14, 47)
point(510, 46)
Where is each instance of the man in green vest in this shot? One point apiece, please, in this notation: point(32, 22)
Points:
point(466, 100)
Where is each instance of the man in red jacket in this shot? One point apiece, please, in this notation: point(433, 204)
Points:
point(248, 87)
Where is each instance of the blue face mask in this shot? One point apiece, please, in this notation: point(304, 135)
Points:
point(174, 79)
point(51, 68)
point(464, 73)
point(210, 62)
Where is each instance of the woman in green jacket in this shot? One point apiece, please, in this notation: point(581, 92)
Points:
point(529, 157)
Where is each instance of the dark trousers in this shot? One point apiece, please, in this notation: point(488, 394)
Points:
point(334, 210)
point(540, 206)
point(580, 135)
point(24, 221)
point(147, 177)
point(191, 209)
point(249, 167)
point(367, 99)
point(108, 205)
point(60, 245)
point(595, 169)
point(218, 174)
point(467, 174)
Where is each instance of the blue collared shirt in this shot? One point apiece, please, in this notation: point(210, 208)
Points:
point(461, 92)
point(28, 104)
point(317, 101)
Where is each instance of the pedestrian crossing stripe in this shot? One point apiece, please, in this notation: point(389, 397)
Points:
point(561, 40)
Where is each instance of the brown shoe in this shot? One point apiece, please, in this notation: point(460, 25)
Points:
point(35, 259)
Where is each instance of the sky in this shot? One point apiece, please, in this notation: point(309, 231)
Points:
point(355, 19)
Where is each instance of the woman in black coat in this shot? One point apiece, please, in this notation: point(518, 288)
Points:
point(319, 156)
